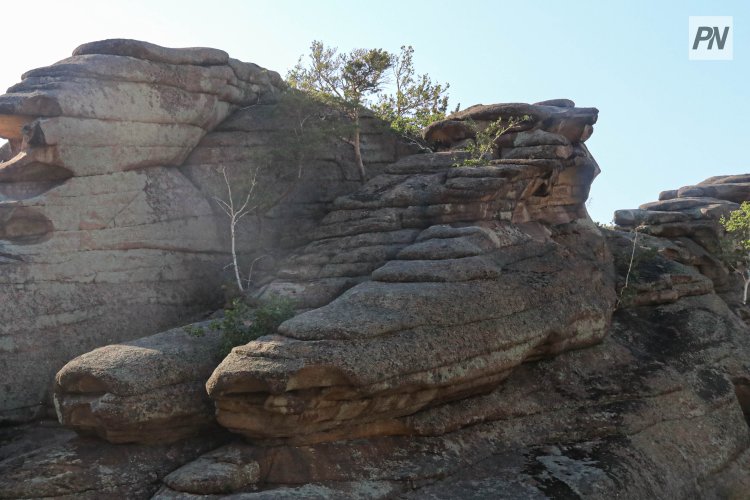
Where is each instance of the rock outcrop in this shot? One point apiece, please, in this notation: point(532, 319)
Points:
point(63, 465)
point(150, 390)
point(554, 128)
point(505, 238)
point(108, 226)
point(648, 413)
point(462, 331)
point(688, 218)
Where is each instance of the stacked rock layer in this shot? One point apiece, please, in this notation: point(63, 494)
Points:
point(688, 217)
point(104, 235)
point(510, 239)
point(423, 295)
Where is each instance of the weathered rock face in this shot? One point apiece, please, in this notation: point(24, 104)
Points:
point(62, 465)
point(456, 338)
point(660, 408)
point(416, 237)
point(147, 391)
point(549, 129)
point(455, 270)
point(94, 223)
point(688, 218)
point(108, 227)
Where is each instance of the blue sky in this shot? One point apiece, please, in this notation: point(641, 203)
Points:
point(664, 121)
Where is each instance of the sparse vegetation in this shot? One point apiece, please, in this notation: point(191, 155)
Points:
point(350, 82)
point(242, 323)
point(235, 212)
point(735, 251)
point(416, 101)
point(480, 149)
point(344, 81)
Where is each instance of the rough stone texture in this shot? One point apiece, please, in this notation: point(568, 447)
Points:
point(659, 409)
point(554, 122)
point(405, 341)
point(458, 339)
point(689, 216)
point(147, 391)
point(108, 226)
point(61, 465)
point(451, 271)
point(651, 412)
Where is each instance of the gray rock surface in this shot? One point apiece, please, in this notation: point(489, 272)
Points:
point(451, 272)
point(150, 390)
point(109, 230)
point(467, 332)
point(62, 465)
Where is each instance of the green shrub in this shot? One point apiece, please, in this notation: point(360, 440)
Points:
point(242, 323)
point(480, 149)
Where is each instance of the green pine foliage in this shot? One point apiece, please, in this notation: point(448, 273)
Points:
point(416, 101)
point(351, 82)
point(735, 248)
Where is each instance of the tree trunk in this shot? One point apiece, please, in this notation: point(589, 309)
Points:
point(744, 293)
point(233, 235)
point(358, 150)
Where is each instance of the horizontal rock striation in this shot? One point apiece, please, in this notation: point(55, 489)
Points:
point(97, 232)
point(689, 218)
point(150, 390)
point(649, 412)
point(424, 294)
point(453, 277)
point(109, 229)
point(541, 130)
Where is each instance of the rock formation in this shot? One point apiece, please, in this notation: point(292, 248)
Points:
point(145, 391)
point(400, 341)
point(108, 227)
point(687, 217)
point(461, 331)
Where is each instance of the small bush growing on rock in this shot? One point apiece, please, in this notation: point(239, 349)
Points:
point(480, 149)
point(242, 323)
point(735, 250)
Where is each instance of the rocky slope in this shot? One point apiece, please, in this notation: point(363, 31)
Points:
point(463, 332)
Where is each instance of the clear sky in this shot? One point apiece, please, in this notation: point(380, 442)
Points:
point(664, 121)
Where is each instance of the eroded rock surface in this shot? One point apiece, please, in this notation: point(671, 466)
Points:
point(651, 411)
point(109, 229)
point(62, 465)
point(547, 128)
point(457, 336)
point(455, 276)
point(146, 391)
point(688, 217)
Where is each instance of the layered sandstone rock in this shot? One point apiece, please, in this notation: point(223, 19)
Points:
point(102, 240)
point(146, 391)
point(451, 272)
point(457, 338)
point(542, 130)
point(660, 408)
point(688, 217)
point(109, 230)
point(652, 411)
